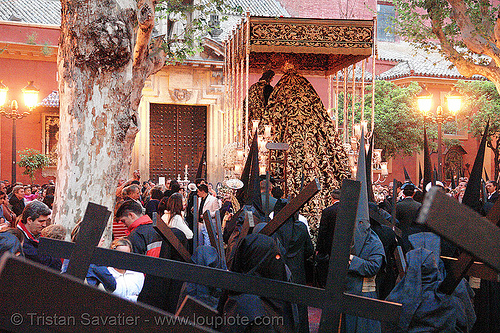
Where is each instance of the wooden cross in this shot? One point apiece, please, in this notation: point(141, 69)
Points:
point(476, 269)
point(36, 298)
point(292, 207)
point(62, 300)
point(333, 300)
point(91, 228)
point(167, 234)
point(245, 228)
point(195, 222)
point(465, 264)
point(214, 231)
point(462, 226)
point(400, 261)
point(279, 219)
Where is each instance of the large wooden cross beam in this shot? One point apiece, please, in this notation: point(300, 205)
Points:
point(91, 228)
point(214, 231)
point(462, 226)
point(465, 264)
point(233, 243)
point(332, 299)
point(35, 298)
point(292, 207)
point(167, 234)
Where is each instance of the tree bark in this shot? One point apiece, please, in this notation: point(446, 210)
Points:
point(103, 61)
point(472, 39)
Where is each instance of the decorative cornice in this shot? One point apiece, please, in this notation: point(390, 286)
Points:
point(311, 36)
point(31, 25)
point(28, 52)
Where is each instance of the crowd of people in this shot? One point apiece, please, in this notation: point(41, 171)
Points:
point(289, 255)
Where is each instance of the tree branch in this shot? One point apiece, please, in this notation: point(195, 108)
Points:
point(149, 58)
point(464, 66)
point(146, 21)
point(496, 30)
point(470, 36)
point(484, 6)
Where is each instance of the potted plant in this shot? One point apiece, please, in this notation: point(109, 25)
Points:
point(31, 161)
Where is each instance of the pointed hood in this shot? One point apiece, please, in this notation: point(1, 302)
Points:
point(199, 172)
point(427, 162)
point(362, 231)
point(369, 157)
point(245, 174)
point(394, 199)
point(473, 190)
point(407, 176)
point(419, 173)
point(486, 177)
point(253, 196)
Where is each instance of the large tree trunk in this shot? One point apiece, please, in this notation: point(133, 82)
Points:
point(102, 68)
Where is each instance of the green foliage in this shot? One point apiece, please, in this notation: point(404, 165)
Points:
point(32, 39)
point(481, 103)
point(197, 26)
point(46, 50)
point(398, 123)
point(32, 160)
point(413, 24)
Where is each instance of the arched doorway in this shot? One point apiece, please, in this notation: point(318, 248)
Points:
point(454, 162)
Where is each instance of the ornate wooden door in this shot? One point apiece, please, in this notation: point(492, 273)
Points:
point(177, 138)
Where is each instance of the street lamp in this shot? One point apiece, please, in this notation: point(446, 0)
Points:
point(454, 102)
point(30, 93)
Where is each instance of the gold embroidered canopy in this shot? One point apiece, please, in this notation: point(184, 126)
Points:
point(314, 46)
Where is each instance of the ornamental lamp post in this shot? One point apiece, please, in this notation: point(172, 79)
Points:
point(30, 94)
point(454, 103)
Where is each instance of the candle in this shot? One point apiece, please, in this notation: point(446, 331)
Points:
point(267, 131)
point(364, 126)
point(239, 154)
point(357, 131)
point(261, 143)
point(255, 125)
point(262, 169)
point(237, 168)
point(383, 166)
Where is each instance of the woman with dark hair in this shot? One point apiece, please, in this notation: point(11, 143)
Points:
point(7, 213)
point(174, 187)
point(258, 255)
point(173, 215)
point(152, 205)
point(49, 196)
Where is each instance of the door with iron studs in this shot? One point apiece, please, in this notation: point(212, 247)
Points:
point(177, 138)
